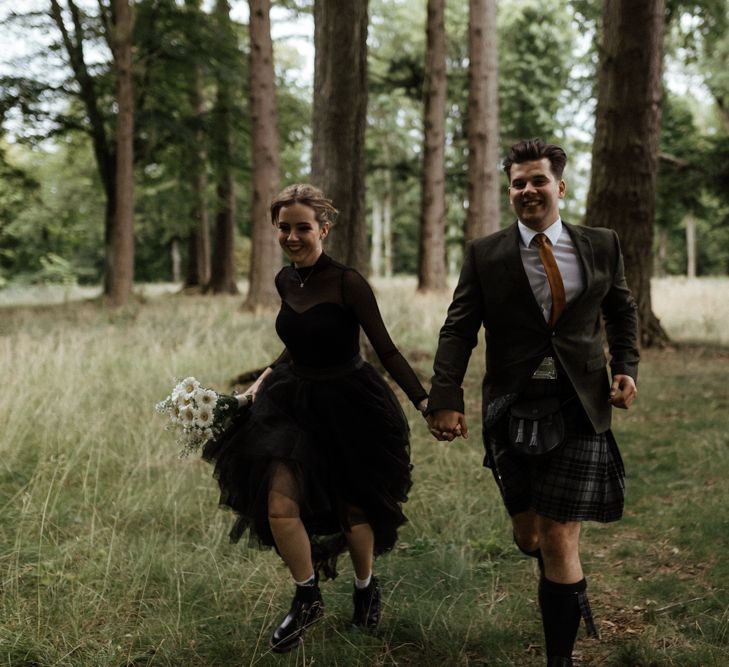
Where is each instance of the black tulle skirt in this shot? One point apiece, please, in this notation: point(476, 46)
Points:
point(342, 435)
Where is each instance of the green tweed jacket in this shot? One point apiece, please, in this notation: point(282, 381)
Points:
point(493, 292)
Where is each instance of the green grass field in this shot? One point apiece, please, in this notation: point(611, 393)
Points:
point(114, 553)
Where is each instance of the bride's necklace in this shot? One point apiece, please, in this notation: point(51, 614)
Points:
point(302, 281)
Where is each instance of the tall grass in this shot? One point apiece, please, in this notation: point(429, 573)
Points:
point(113, 552)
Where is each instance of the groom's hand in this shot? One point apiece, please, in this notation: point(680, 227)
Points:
point(447, 424)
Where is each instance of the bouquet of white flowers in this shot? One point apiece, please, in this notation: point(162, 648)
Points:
point(196, 413)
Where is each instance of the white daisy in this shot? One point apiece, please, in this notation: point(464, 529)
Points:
point(189, 385)
point(204, 417)
point(187, 416)
point(206, 397)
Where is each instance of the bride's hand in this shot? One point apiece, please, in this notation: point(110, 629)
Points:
point(249, 395)
point(246, 398)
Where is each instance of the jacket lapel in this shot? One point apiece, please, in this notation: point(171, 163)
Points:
point(515, 266)
point(586, 257)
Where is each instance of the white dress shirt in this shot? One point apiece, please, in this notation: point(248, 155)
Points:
point(567, 259)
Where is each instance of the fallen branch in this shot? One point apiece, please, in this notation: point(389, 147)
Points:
point(677, 604)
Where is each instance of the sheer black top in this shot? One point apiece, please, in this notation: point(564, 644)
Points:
point(322, 309)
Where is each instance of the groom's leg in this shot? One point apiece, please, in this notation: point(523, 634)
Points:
point(559, 542)
point(562, 596)
point(526, 536)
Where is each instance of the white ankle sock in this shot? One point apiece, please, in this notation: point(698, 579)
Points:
point(307, 582)
point(362, 583)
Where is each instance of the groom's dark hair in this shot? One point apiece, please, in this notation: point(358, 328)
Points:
point(529, 150)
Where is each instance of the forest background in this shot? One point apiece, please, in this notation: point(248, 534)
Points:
point(192, 118)
point(137, 148)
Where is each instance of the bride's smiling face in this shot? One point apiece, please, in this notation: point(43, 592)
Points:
point(300, 234)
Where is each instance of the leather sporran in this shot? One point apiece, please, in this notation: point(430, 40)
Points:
point(536, 426)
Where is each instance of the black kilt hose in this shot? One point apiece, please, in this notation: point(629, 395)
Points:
point(583, 481)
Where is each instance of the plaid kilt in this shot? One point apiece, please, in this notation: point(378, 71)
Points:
point(583, 481)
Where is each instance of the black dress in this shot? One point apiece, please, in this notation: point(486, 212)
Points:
point(326, 415)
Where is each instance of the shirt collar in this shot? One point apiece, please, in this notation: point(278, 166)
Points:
point(321, 261)
point(553, 232)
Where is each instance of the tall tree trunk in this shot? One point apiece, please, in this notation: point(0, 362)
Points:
point(376, 246)
point(122, 241)
point(690, 222)
point(73, 43)
point(176, 259)
point(484, 195)
point(265, 253)
point(198, 255)
point(659, 267)
point(625, 149)
point(431, 256)
point(222, 271)
point(339, 117)
point(387, 226)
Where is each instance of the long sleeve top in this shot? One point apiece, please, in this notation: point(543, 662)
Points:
point(322, 309)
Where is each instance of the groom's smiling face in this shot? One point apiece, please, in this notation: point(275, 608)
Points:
point(534, 193)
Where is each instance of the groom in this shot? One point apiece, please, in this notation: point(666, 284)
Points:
point(539, 289)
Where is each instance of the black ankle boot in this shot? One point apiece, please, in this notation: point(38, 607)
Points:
point(557, 661)
point(367, 605)
point(307, 608)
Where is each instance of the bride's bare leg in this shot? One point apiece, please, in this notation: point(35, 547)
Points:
point(366, 595)
point(288, 531)
point(361, 542)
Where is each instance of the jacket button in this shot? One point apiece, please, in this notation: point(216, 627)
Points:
point(554, 334)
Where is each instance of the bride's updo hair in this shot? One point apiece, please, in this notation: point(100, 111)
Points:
point(303, 193)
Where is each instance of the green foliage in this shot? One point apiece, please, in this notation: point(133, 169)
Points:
point(51, 198)
point(55, 235)
point(693, 179)
point(394, 131)
point(536, 40)
point(697, 22)
point(17, 190)
point(535, 62)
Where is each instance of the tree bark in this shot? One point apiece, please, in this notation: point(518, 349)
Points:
point(690, 222)
point(339, 118)
point(431, 255)
point(625, 149)
point(659, 267)
point(198, 255)
point(376, 246)
point(122, 240)
point(387, 226)
point(484, 194)
point(265, 253)
point(222, 270)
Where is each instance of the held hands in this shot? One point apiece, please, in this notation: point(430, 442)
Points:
point(623, 391)
point(446, 425)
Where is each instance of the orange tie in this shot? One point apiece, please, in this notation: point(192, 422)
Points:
point(554, 277)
